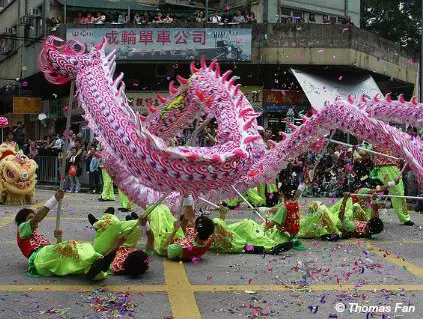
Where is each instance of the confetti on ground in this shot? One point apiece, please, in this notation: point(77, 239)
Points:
point(57, 312)
point(112, 305)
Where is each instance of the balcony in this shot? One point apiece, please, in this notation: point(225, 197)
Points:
point(303, 44)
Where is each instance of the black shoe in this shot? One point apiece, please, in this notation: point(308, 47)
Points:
point(110, 210)
point(101, 264)
point(124, 210)
point(330, 237)
point(134, 216)
point(409, 223)
point(128, 217)
point(105, 200)
point(281, 248)
point(92, 220)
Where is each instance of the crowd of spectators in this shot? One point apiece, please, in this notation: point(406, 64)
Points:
point(147, 17)
point(226, 17)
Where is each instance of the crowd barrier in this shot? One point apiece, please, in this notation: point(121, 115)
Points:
point(48, 171)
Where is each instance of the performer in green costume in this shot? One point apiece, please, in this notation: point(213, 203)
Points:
point(129, 260)
point(65, 258)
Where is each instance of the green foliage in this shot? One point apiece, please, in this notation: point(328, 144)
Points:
point(398, 21)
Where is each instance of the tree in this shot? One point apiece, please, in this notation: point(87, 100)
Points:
point(398, 21)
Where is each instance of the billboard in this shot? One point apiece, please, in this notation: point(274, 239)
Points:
point(158, 44)
point(26, 105)
point(283, 100)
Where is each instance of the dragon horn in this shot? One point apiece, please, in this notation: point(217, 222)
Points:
point(237, 87)
point(363, 98)
point(212, 64)
point(151, 108)
point(194, 68)
point(181, 80)
point(226, 75)
point(388, 98)
point(161, 98)
point(401, 98)
point(203, 62)
point(172, 88)
point(232, 81)
point(217, 71)
point(413, 100)
point(351, 98)
point(376, 98)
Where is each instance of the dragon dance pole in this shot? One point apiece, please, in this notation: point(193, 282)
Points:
point(64, 155)
point(362, 148)
point(391, 196)
point(249, 204)
point(208, 202)
point(151, 208)
point(145, 214)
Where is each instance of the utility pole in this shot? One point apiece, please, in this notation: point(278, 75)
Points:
point(207, 10)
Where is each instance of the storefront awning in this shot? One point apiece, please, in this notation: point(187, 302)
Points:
point(321, 88)
point(108, 4)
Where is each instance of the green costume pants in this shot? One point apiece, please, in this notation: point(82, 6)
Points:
point(387, 174)
point(124, 200)
point(66, 258)
point(107, 193)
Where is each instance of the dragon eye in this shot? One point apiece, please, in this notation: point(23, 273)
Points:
point(24, 176)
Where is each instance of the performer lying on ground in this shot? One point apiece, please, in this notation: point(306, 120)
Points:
point(182, 239)
point(66, 258)
point(350, 220)
point(129, 260)
point(247, 236)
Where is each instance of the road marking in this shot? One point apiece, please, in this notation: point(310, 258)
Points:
point(8, 219)
point(180, 291)
point(85, 288)
point(397, 261)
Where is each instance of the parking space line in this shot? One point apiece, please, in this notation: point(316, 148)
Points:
point(180, 292)
point(397, 261)
point(85, 288)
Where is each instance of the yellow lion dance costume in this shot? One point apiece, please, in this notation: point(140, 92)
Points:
point(17, 176)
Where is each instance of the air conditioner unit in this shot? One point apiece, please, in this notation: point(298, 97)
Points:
point(35, 13)
point(10, 31)
point(24, 20)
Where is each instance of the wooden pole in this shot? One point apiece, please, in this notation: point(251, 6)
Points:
point(363, 149)
point(64, 154)
point(249, 204)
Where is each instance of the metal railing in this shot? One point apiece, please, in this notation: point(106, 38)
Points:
point(48, 169)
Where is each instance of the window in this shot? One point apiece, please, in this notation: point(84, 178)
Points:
point(285, 12)
point(298, 15)
point(341, 20)
point(332, 19)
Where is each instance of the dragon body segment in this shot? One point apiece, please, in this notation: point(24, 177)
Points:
point(136, 148)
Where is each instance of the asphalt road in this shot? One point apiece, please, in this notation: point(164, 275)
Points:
point(380, 278)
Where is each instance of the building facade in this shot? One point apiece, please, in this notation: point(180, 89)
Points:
point(267, 56)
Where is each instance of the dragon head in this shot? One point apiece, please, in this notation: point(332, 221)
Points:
point(17, 172)
point(60, 61)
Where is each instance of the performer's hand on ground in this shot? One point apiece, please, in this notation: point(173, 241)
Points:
point(59, 194)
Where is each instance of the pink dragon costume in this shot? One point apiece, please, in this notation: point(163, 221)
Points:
point(136, 151)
